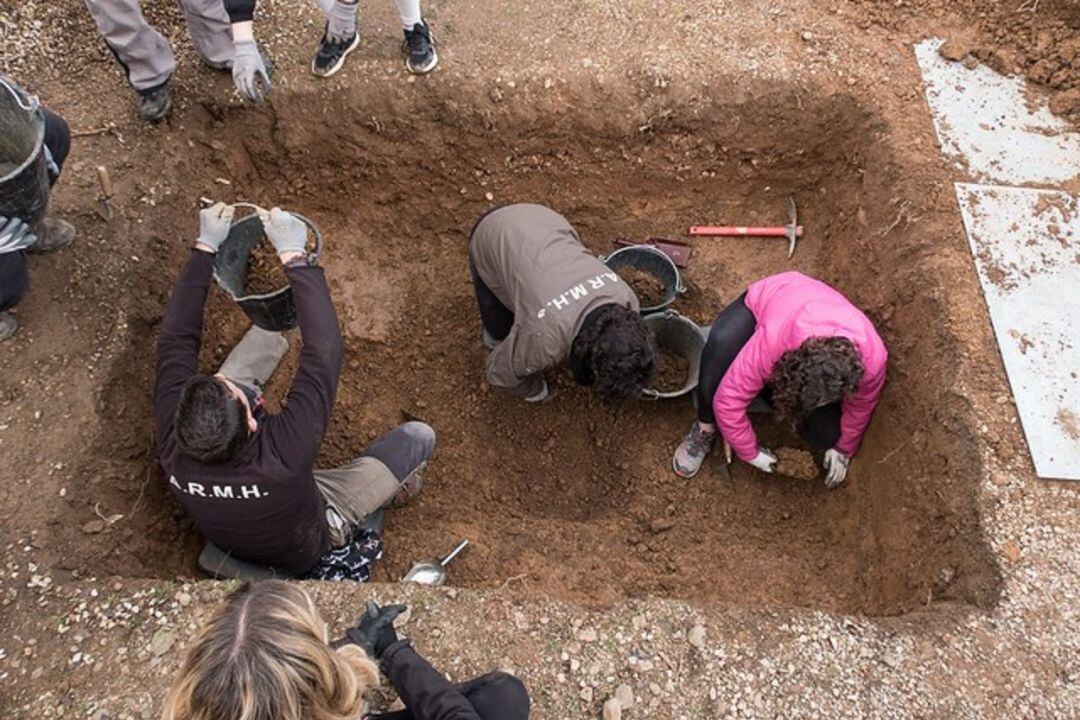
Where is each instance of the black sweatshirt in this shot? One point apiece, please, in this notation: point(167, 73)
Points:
point(425, 691)
point(263, 506)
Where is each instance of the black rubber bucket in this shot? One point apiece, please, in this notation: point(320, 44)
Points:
point(24, 176)
point(683, 336)
point(274, 311)
point(654, 262)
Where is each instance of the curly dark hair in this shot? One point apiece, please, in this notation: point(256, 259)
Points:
point(819, 372)
point(618, 350)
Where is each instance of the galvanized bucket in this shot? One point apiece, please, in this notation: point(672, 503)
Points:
point(24, 175)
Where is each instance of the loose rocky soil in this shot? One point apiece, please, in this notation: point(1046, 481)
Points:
point(649, 290)
point(639, 131)
point(672, 373)
point(265, 273)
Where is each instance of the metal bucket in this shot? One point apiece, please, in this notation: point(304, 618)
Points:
point(24, 176)
point(683, 336)
point(654, 262)
point(274, 311)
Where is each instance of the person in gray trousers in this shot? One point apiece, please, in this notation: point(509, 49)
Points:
point(146, 56)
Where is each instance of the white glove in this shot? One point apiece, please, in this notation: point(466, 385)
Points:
point(287, 233)
point(764, 461)
point(836, 466)
point(541, 395)
point(15, 235)
point(248, 70)
point(214, 224)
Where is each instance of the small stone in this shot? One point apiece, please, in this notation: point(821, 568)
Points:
point(625, 696)
point(588, 635)
point(954, 51)
point(93, 527)
point(807, 35)
point(612, 709)
point(586, 694)
point(1011, 551)
point(489, 196)
point(162, 642)
point(183, 598)
point(696, 637)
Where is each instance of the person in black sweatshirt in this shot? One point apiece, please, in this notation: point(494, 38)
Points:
point(264, 655)
point(247, 477)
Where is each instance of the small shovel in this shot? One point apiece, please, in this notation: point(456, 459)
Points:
point(433, 572)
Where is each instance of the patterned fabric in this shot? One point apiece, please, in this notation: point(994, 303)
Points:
point(351, 561)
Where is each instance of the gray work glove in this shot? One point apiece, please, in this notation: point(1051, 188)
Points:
point(248, 70)
point(287, 233)
point(214, 224)
point(15, 235)
point(836, 467)
point(341, 21)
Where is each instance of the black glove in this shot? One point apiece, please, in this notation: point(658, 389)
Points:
point(374, 632)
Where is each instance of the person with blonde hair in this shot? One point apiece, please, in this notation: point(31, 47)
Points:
point(265, 655)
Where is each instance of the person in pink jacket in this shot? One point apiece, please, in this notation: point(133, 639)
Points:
point(799, 348)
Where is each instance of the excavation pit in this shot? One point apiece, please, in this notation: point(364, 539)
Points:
point(572, 499)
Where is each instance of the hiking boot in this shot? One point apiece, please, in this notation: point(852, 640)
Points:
point(52, 234)
point(692, 451)
point(9, 325)
point(419, 49)
point(331, 55)
point(155, 104)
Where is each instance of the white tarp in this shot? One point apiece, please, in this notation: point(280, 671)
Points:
point(1026, 245)
point(993, 130)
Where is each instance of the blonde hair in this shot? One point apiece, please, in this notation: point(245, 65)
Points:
point(263, 656)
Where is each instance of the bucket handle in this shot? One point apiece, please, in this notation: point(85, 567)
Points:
point(310, 226)
point(32, 99)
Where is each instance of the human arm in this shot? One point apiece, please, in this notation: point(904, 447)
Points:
point(857, 409)
point(426, 692)
point(249, 71)
point(297, 431)
point(741, 383)
point(505, 373)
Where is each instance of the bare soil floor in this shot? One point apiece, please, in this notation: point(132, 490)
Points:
point(570, 501)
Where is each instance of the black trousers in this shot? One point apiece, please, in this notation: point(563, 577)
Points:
point(732, 329)
point(496, 318)
point(14, 277)
point(495, 696)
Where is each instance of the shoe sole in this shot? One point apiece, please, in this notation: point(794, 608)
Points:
point(340, 62)
point(680, 473)
point(425, 69)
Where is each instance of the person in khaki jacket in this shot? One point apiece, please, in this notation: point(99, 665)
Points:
point(545, 298)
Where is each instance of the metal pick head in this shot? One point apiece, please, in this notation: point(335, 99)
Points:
point(793, 228)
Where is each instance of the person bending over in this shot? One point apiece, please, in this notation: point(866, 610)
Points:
point(246, 476)
point(804, 350)
point(544, 298)
point(264, 655)
point(339, 39)
point(17, 238)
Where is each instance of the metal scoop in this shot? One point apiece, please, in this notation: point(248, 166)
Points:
point(433, 572)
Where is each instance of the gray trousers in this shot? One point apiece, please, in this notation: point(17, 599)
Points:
point(362, 486)
point(145, 54)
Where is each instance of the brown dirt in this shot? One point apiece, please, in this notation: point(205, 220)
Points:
point(649, 290)
point(672, 372)
point(265, 272)
point(796, 463)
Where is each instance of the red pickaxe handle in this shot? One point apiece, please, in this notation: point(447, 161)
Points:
point(739, 231)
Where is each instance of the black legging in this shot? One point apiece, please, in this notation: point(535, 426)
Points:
point(732, 329)
point(496, 317)
point(495, 696)
point(14, 278)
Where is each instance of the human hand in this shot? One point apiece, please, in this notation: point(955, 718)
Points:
point(836, 467)
point(764, 461)
point(287, 233)
point(374, 631)
point(214, 224)
point(15, 235)
point(249, 69)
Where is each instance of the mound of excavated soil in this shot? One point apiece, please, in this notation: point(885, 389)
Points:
point(649, 290)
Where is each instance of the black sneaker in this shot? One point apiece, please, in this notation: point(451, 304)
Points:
point(331, 55)
point(419, 49)
point(155, 103)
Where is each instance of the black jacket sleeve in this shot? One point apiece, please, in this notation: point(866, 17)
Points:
point(240, 10)
point(296, 433)
point(181, 336)
point(426, 693)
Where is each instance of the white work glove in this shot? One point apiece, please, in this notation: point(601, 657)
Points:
point(15, 235)
point(541, 394)
point(836, 466)
point(248, 70)
point(214, 224)
point(764, 461)
point(287, 233)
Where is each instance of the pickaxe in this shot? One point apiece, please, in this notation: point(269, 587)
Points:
point(792, 232)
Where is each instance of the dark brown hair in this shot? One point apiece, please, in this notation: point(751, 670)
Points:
point(211, 424)
point(819, 372)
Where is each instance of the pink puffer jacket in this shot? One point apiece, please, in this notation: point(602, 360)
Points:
point(789, 308)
